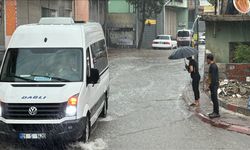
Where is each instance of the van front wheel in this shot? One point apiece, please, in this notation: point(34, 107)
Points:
point(86, 131)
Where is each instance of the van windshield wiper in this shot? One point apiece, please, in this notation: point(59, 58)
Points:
point(54, 78)
point(22, 78)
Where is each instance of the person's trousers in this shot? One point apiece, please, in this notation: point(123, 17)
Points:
point(195, 85)
point(214, 98)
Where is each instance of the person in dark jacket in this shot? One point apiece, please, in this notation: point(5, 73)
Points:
point(213, 82)
point(193, 69)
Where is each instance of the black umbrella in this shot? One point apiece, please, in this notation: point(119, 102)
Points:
point(183, 52)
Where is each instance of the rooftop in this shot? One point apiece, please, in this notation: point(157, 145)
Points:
point(229, 18)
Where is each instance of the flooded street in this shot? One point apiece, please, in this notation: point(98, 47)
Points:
point(146, 110)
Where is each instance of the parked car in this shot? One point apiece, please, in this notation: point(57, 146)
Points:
point(202, 38)
point(164, 42)
point(184, 37)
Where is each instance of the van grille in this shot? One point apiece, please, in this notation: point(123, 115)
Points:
point(44, 111)
point(34, 127)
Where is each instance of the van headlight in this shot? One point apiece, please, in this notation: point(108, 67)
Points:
point(71, 108)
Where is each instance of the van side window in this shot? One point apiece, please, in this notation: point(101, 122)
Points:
point(88, 63)
point(99, 55)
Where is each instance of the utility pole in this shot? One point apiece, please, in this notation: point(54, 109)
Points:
point(105, 20)
point(197, 28)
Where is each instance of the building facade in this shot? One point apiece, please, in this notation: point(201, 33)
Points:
point(223, 33)
point(18, 12)
point(175, 16)
point(123, 18)
point(121, 24)
point(225, 29)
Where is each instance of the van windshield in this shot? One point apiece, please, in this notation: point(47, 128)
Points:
point(43, 65)
point(163, 37)
point(183, 34)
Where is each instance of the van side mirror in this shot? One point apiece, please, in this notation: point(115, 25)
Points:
point(94, 76)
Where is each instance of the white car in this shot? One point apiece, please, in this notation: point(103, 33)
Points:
point(164, 41)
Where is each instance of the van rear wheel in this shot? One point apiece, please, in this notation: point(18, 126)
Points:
point(104, 110)
point(105, 107)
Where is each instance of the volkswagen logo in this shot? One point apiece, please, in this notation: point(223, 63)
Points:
point(32, 111)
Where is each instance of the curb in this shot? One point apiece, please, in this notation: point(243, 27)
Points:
point(234, 108)
point(216, 122)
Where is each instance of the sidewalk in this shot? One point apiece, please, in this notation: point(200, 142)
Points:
point(229, 120)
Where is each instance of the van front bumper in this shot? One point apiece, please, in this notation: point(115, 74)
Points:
point(183, 43)
point(66, 131)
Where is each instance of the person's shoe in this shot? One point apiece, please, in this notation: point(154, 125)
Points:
point(214, 115)
point(195, 104)
point(210, 114)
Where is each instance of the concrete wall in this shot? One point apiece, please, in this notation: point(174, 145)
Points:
point(182, 18)
point(150, 34)
point(176, 18)
point(114, 20)
point(219, 34)
point(160, 24)
point(121, 32)
point(30, 11)
point(176, 3)
point(97, 11)
point(232, 71)
point(170, 21)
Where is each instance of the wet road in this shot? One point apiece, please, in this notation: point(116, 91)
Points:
point(146, 110)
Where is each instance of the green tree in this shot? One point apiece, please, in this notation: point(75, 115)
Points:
point(242, 54)
point(146, 9)
point(214, 3)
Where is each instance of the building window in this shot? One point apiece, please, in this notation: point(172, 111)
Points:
point(120, 6)
point(68, 13)
point(46, 12)
point(181, 1)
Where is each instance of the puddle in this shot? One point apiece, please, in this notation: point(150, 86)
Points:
point(98, 144)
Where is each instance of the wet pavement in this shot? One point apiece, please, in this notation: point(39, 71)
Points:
point(147, 112)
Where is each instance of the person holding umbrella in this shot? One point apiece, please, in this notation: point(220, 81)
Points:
point(193, 69)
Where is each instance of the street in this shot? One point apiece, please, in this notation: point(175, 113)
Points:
point(147, 112)
point(97, 75)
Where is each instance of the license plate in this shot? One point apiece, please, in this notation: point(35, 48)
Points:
point(24, 136)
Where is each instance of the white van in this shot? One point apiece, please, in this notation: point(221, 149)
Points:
point(54, 81)
point(184, 37)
